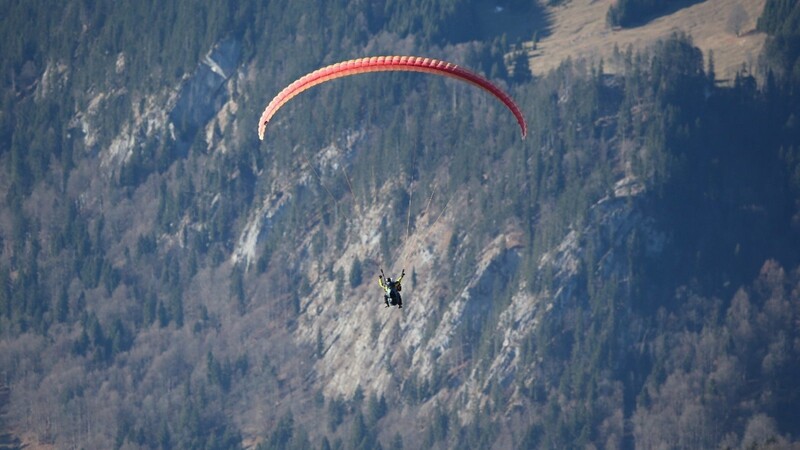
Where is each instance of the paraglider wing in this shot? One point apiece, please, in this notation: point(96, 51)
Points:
point(386, 64)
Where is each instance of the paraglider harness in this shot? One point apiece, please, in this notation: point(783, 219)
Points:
point(391, 289)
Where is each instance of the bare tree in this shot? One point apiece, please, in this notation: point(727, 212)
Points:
point(737, 19)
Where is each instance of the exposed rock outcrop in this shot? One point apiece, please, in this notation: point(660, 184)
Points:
point(203, 94)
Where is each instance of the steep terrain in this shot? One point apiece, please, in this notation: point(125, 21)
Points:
point(169, 281)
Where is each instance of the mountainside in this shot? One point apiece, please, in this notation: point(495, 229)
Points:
point(726, 28)
point(628, 276)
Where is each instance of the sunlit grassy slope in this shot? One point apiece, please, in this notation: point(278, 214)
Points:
point(579, 29)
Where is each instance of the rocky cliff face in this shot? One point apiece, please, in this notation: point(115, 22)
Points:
point(362, 345)
point(203, 94)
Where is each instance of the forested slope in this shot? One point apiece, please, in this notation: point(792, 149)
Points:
point(627, 276)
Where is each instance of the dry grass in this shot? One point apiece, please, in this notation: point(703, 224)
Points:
point(580, 31)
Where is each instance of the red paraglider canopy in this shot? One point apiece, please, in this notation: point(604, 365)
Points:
point(386, 64)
